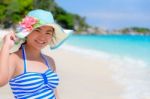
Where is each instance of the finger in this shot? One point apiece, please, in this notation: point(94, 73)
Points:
point(13, 36)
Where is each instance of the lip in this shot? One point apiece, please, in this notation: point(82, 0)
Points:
point(40, 42)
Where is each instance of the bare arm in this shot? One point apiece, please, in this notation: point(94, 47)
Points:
point(6, 70)
point(4, 56)
point(56, 90)
point(52, 62)
point(56, 94)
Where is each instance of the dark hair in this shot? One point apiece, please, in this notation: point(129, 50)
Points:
point(25, 42)
point(53, 36)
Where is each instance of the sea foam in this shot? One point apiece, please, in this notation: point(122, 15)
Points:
point(133, 74)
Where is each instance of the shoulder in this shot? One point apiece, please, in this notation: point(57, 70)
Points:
point(51, 62)
point(12, 61)
point(15, 57)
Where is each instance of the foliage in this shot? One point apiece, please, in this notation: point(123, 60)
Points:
point(12, 11)
point(139, 30)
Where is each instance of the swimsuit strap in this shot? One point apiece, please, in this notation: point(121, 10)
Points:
point(46, 61)
point(24, 57)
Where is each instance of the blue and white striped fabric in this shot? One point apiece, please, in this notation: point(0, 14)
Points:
point(33, 85)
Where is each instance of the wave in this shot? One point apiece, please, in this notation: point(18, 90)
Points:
point(129, 72)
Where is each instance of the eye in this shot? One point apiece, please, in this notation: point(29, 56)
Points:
point(49, 33)
point(37, 30)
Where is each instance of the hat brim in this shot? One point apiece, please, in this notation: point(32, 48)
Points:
point(60, 35)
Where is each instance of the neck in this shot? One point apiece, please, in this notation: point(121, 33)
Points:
point(32, 52)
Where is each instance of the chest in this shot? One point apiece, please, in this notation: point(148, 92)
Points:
point(35, 81)
point(31, 66)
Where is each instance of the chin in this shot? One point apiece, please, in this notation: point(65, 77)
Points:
point(39, 47)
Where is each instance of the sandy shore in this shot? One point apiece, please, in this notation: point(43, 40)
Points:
point(103, 77)
point(82, 77)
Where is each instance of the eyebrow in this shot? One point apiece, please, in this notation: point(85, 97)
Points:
point(49, 30)
point(38, 28)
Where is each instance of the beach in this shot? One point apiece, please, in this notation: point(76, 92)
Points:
point(87, 73)
point(81, 77)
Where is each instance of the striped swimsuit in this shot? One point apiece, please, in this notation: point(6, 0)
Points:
point(34, 85)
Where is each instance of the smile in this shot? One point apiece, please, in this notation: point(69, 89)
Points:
point(40, 42)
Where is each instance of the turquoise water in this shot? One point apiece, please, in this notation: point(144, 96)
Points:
point(135, 46)
point(128, 57)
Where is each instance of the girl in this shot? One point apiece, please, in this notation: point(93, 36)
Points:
point(31, 74)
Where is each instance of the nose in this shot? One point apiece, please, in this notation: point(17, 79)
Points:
point(44, 37)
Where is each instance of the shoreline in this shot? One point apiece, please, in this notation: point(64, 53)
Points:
point(83, 76)
point(131, 74)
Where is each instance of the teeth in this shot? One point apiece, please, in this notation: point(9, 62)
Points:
point(40, 42)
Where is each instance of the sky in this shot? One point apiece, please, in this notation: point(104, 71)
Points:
point(110, 14)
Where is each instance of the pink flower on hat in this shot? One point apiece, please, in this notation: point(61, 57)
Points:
point(28, 23)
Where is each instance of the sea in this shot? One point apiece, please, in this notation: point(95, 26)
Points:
point(129, 57)
point(129, 53)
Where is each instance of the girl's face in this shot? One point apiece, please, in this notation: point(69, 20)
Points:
point(40, 37)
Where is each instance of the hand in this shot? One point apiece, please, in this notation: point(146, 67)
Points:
point(9, 40)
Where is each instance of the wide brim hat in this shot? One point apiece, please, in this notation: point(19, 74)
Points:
point(37, 18)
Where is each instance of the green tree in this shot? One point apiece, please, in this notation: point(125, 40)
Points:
point(12, 11)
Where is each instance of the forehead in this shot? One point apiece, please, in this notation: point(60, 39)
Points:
point(45, 28)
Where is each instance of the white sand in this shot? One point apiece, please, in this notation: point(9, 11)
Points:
point(81, 78)
point(84, 77)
